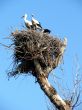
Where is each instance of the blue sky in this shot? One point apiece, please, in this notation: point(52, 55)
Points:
point(64, 19)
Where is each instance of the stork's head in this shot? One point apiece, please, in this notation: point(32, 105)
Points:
point(32, 15)
point(25, 16)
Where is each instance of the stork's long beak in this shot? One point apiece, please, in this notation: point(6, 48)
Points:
point(32, 15)
point(22, 17)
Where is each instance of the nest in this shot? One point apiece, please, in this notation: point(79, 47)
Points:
point(30, 45)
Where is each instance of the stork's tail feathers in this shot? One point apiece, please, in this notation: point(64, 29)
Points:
point(46, 31)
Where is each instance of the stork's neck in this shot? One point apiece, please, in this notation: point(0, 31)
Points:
point(25, 18)
point(32, 17)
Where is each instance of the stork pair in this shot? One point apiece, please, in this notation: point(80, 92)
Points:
point(34, 24)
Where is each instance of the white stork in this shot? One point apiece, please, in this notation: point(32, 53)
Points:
point(36, 23)
point(27, 22)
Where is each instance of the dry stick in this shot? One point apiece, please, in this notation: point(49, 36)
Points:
point(49, 90)
point(6, 46)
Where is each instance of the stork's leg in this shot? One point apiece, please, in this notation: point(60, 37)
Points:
point(35, 27)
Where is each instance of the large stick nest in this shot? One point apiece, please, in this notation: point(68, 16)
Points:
point(30, 45)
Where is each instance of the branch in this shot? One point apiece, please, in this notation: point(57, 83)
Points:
point(49, 90)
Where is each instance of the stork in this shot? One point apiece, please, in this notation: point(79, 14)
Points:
point(36, 23)
point(28, 23)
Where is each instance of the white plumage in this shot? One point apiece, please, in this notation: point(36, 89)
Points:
point(34, 20)
point(36, 23)
point(27, 22)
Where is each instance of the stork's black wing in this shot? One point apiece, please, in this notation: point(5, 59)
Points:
point(46, 31)
point(39, 25)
